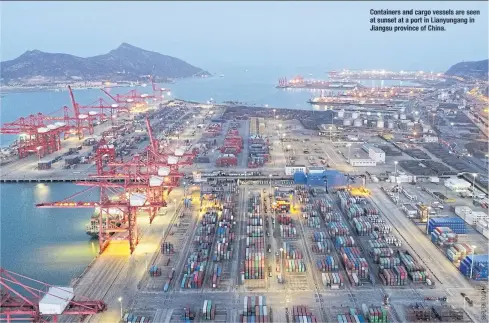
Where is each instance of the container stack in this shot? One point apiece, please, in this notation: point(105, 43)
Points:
point(301, 314)
point(216, 276)
point(378, 253)
point(322, 247)
point(208, 310)
point(254, 265)
point(288, 231)
point(295, 265)
point(290, 252)
point(457, 225)
point(415, 271)
point(314, 222)
point(167, 248)
point(375, 314)
point(396, 276)
point(388, 263)
point(479, 265)
point(350, 317)
point(188, 315)
point(338, 229)
point(327, 264)
point(284, 219)
point(332, 280)
point(458, 252)
point(354, 262)
point(198, 259)
point(154, 271)
point(362, 227)
point(443, 236)
point(255, 310)
point(346, 241)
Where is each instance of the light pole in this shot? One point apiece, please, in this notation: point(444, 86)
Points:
point(398, 184)
point(428, 219)
point(472, 263)
point(330, 133)
point(349, 147)
point(474, 175)
point(270, 176)
point(274, 114)
point(281, 263)
point(120, 301)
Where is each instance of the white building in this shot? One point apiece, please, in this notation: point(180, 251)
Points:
point(291, 170)
point(316, 169)
point(362, 162)
point(430, 139)
point(457, 184)
point(376, 154)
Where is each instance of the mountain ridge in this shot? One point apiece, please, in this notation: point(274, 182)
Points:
point(124, 63)
point(474, 69)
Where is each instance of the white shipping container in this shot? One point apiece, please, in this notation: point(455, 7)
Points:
point(56, 300)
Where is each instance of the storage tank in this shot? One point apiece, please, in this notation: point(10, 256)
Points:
point(358, 122)
point(341, 113)
point(355, 115)
point(347, 122)
point(380, 123)
point(390, 124)
point(402, 116)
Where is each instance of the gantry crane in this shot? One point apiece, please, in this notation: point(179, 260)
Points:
point(21, 302)
point(158, 93)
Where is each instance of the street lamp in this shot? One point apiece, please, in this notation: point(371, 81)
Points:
point(472, 263)
point(349, 147)
point(120, 301)
point(474, 175)
point(398, 184)
point(330, 133)
point(270, 176)
point(428, 219)
point(281, 262)
point(274, 113)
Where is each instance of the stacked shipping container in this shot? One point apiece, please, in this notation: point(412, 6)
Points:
point(255, 310)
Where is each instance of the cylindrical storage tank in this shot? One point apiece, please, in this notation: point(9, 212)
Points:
point(163, 171)
point(402, 116)
point(347, 122)
point(355, 115)
point(390, 124)
point(358, 123)
point(380, 123)
point(92, 113)
point(82, 116)
point(172, 160)
point(341, 113)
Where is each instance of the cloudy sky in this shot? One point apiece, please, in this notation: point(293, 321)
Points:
point(209, 34)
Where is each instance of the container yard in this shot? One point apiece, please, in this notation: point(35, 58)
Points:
point(247, 238)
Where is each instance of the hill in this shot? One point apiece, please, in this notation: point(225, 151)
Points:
point(476, 70)
point(125, 63)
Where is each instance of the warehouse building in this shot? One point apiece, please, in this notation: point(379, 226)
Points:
point(457, 184)
point(376, 154)
point(362, 162)
point(292, 169)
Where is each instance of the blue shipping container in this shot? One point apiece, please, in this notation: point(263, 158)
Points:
point(300, 178)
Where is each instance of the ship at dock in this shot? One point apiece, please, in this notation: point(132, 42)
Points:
point(299, 82)
point(111, 220)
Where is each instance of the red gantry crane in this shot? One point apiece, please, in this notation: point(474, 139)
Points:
point(24, 302)
point(158, 93)
point(145, 180)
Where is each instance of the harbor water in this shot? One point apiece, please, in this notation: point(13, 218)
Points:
point(51, 244)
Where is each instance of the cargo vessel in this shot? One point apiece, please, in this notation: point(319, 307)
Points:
point(300, 83)
point(350, 101)
point(114, 219)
